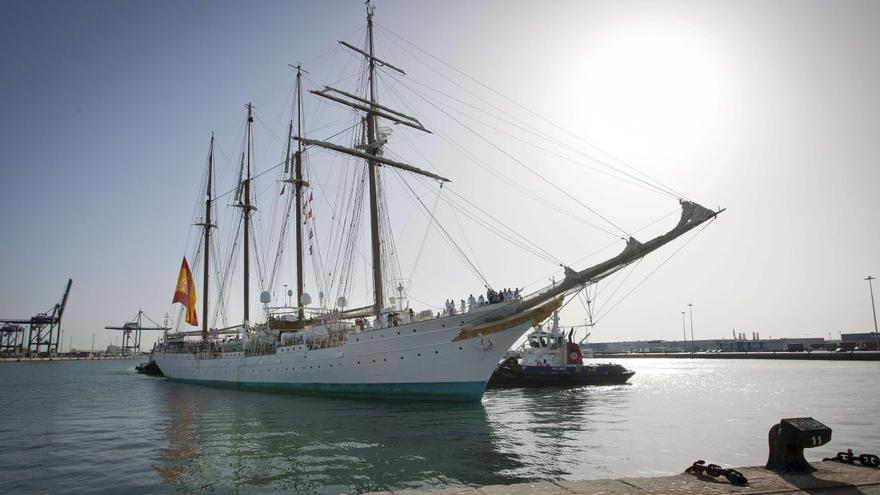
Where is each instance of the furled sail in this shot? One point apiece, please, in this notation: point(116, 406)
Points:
point(692, 215)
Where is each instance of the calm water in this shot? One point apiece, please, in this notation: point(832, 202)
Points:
point(99, 427)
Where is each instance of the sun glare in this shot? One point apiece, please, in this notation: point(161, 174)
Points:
point(656, 85)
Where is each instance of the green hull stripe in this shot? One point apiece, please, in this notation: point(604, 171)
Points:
point(452, 391)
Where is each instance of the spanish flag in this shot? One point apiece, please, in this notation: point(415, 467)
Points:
point(185, 293)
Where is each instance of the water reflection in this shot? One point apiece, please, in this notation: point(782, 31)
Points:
point(177, 465)
point(79, 437)
point(267, 442)
point(556, 430)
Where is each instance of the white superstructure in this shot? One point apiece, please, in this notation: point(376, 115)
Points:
point(450, 357)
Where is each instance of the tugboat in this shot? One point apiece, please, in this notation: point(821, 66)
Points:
point(149, 368)
point(552, 359)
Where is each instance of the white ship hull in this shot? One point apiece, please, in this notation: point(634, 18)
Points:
point(448, 358)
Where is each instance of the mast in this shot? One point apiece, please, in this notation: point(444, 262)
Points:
point(207, 240)
point(247, 213)
point(297, 163)
point(373, 147)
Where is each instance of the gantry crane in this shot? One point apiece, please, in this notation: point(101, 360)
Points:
point(131, 333)
point(11, 340)
point(43, 329)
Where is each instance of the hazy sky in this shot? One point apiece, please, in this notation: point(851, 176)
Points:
point(769, 109)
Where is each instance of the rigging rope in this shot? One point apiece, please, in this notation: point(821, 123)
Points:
point(425, 238)
point(635, 181)
point(532, 112)
point(503, 178)
point(623, 281)
point(253, 178)
point(446, 235)
point(522, 164)
point(388, 248)
point(700, 231)
point(525, 244)
point(594, 253)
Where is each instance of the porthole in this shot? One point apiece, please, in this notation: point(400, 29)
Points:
point(435, 352)
point(420, 354)
point(459, 348)
point(401, 357)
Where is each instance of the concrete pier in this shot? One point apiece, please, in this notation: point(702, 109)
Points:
point(831, 478)
point(804, 356)
point(23, 359)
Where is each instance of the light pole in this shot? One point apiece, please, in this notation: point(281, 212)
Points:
point(691, 309)
point(683, 331)
point(873, 308)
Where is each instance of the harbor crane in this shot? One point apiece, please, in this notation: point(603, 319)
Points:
point(43, 331)
point(11, 340)
point(131, 333)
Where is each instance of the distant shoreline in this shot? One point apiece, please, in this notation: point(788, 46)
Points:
point(65, 358)
point(800, 356)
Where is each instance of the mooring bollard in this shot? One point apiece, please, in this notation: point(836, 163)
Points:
point(789, 438)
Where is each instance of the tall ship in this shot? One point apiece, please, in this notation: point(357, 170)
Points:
point(386, 348)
